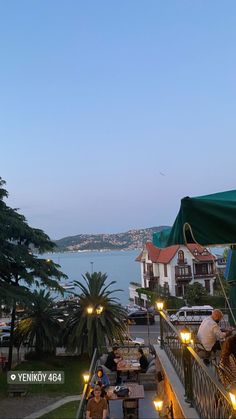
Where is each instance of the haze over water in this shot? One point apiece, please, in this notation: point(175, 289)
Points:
point(119, 266)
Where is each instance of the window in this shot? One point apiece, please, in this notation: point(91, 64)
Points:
point(207, 285)
point(144, 267)
point(180, 256)
point(165, 269)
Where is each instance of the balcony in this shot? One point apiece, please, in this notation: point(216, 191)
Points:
point(203, 276)
point(154, 284)
point(183, 278)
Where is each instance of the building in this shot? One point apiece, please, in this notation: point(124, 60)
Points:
point(173, 268)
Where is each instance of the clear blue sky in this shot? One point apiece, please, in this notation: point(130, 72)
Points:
point(99, 99)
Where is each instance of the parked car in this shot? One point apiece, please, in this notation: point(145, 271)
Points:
point(129, 340)
point(4, 339)
point(5, 329)
point(141, 317)
point(193, 315)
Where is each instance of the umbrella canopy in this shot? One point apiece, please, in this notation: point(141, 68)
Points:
point(208, 220)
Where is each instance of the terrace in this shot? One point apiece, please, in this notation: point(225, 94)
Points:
point(182, 384)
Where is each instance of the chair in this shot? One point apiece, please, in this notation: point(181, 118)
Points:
point(130, 409)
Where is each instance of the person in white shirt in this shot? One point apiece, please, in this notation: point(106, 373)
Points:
point(209, 333)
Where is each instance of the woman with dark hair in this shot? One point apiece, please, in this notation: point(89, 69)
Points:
point(227, 365)
point(142, 360)
point(101, 379)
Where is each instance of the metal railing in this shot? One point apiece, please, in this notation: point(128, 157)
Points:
point(81, 410)
point(202, 389)
point(210, 398)
point(171, 343)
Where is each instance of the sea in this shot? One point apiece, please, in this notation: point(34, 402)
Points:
point(120, 266)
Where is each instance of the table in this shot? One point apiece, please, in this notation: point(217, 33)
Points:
point(136, 391)
point(130, 403)
point(128, 365)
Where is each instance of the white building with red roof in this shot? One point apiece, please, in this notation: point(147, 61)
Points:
point(173, 268)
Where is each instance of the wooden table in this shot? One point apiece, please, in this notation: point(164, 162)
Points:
point(128, 365)
point(136, 391)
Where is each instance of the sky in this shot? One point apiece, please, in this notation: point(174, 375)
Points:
point(112, 111)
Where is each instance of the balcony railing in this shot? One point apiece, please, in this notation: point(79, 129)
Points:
point(183, 277)
point(202, 389)
point(202, 275)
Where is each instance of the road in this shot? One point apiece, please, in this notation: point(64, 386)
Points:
point(142, 332)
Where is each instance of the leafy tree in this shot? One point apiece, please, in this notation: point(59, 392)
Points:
point(39, 326)
point(194, 292)
point(20, 267)
point(84, 332)
point(225, 252)
point(219, 281)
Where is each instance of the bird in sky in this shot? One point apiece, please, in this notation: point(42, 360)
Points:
point(162, 174)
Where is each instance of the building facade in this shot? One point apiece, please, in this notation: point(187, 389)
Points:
point(173, 268)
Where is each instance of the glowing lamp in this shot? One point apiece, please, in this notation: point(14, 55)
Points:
point(86, 377)
point(99, 310)
point(158, 403)
point(185, 335)
point(90, 310)
point(159, 305)
point(232, 395)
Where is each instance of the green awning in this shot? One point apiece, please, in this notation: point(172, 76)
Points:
point(207, 220)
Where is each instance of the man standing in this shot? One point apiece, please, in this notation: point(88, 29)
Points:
point(97, 406)
point(209, 333)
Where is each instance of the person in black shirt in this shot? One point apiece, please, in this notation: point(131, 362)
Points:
point(112, 360)
point(142, 360)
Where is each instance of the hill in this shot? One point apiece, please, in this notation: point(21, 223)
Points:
point(132, 239)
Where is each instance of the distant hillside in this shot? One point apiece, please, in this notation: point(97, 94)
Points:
point(132, 239)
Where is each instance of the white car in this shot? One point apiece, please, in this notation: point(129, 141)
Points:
point(128, 340)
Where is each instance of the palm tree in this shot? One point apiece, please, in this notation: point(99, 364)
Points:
point(84, 332)
point(40, 326)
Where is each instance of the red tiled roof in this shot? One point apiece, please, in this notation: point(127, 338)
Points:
point(139, 257)
point(197, 250)
point(167, 254)
point(157, 255)
point(153, 251)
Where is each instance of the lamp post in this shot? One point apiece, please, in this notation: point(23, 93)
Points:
point(185, 335)
point(160, 306)
point(86, 377)
point(232, 395)
point(148, 325)
point(159, 405)
point(89, 310)
point(91, 267)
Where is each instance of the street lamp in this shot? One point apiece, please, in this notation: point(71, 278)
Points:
point(232, 395)
point(160, 305)
point(158, 403)
point(90, 310)
point(99, 310)
point(186, 336)
point(86, 377)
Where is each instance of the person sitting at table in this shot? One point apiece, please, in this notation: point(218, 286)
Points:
point(113, 359)
point(100, 378)
point(227, 364)
point(142, 360)
point(210, 335)
point(96, 406)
